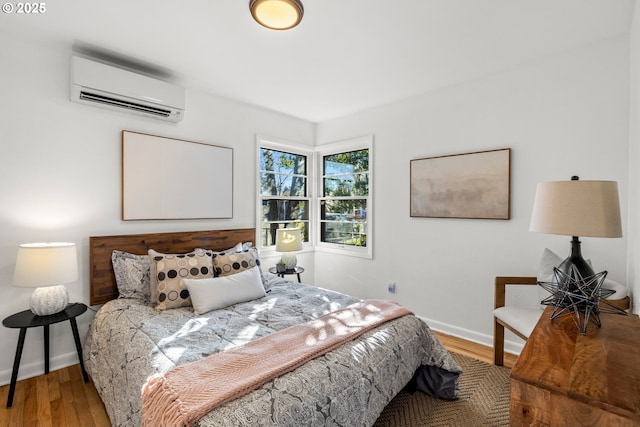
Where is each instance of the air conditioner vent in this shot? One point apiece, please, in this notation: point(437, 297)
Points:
point(86, 96)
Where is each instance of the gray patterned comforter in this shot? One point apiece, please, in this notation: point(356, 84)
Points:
point(128, 341)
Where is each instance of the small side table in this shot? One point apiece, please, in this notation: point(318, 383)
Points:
point(26, 319)
point(296, 270)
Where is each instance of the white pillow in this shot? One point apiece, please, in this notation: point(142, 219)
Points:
point(219, 292)
point(621, 290)
point(548, 262)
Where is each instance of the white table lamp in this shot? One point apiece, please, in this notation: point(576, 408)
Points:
point(289, 240)
point(46, 267)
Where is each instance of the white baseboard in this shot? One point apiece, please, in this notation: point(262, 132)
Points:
point(34, 369)
point(512, 347)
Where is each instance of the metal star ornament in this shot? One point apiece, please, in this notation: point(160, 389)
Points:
point(582, 298)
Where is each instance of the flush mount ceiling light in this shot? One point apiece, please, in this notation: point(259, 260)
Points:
point(277, 14)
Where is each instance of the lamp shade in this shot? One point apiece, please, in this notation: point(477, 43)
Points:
point(288, 240)
point(45, 264)
point(277, 14)
point(577, 208)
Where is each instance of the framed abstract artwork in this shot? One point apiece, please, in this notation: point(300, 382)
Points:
point(469, 185)
point(167, 178)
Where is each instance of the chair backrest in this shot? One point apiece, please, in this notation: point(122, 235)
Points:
point(503, 281)
point(500, 290)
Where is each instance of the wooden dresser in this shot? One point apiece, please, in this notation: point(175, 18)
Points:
point(563, 378)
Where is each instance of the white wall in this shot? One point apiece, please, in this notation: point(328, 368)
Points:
point(60, 176)
point(634, 160)
point(568, 114)
point(565, 115)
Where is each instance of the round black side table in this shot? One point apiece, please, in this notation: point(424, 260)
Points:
point(26, 319)
point(296, 270)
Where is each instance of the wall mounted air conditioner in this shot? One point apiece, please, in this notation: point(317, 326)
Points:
point(102, 85)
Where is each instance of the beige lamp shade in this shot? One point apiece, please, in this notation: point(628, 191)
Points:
point(45, 264)
point(277, 14)
point(288, 240)
point(577, 208)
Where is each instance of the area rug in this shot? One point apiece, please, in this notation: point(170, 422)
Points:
point(484, 401)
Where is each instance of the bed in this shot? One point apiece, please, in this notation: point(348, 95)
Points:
point(130, 341)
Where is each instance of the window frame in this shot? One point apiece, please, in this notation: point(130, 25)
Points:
point(292, 148)
point(355, 144)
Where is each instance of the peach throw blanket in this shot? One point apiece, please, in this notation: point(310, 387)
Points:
point(184, 394)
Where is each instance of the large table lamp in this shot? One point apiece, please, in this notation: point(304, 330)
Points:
point(46, 267)
point(577, 208)
point(289, 240)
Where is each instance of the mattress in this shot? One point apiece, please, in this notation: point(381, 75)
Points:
point(129, 341)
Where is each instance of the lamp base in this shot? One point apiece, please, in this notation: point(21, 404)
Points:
point(290, 260)
point(49, 300)
point(577, 291)
point(575, 268)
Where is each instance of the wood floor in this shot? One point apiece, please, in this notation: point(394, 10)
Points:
point(61, 398)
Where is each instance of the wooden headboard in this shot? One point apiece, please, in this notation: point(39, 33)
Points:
point(102, 280)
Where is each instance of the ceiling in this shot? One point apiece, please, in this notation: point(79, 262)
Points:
point(345, 56)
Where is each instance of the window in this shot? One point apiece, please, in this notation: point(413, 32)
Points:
point(345, 201)
point(284, 191)
point(332, 208)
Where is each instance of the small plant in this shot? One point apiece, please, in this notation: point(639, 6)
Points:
point(281, 267)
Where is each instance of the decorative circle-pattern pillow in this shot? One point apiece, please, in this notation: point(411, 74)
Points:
point(132, 275)
point(227, 263)
point(168, 270)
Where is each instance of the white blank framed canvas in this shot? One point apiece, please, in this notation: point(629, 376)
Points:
point(167, 178)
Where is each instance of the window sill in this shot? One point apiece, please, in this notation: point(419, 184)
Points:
point(346, 250)
point(271, 252)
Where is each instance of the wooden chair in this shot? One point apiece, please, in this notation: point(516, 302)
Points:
point(517, 319)
point(522, 320)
